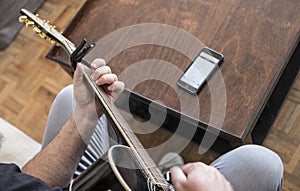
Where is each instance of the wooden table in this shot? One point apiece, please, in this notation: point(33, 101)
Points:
point(256, 37)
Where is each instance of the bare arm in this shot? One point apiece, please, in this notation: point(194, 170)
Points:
point(56, 163)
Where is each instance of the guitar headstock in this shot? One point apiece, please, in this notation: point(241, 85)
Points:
point(46, 30)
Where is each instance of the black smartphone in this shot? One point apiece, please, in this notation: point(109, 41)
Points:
point(199, 70)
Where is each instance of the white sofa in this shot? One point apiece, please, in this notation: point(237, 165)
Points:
point(16, 146)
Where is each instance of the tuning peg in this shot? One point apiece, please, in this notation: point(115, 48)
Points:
point(46, 22)
point(53, 42)
point(43, 35)
point(22, 18)
point(52, 27)
point(37, 30)
point(29, 24)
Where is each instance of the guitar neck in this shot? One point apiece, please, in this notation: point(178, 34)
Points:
point(143, 159)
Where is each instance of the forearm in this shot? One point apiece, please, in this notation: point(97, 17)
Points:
point(56, 163)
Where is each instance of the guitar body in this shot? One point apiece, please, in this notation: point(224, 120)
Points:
point(125, 168)
point(121, 172)
point(115, 171)
point(98, 177)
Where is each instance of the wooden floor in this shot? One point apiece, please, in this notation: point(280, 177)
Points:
point(29, 83)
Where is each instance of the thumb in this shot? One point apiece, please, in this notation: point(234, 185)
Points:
point(78, 75)
point(178, 177)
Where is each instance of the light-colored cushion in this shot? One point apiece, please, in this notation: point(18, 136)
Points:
point(16, 146)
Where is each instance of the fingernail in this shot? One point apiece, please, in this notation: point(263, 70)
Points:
point(93, 65)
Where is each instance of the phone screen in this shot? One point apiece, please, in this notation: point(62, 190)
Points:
point(199, 70)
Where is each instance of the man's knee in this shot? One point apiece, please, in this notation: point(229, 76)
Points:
point(262, 162)
point(252, 167)
point(260, 156)
point(66, 93)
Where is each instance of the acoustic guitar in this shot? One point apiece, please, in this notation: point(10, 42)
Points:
point(131, 164)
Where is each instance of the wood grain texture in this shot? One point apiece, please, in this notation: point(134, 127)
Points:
point(254, 37)
point(29, 83)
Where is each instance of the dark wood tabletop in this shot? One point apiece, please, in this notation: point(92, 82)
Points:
point(254, 37)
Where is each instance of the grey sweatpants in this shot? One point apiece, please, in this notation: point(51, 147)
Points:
point(249, 167)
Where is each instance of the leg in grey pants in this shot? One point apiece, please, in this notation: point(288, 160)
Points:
point(250, 167)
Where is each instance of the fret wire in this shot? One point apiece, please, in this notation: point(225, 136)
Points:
point(153, 173)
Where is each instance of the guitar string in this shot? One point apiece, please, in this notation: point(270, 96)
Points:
point(142, 157)
point(133, 142)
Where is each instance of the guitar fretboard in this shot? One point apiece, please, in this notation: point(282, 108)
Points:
point(143, 159)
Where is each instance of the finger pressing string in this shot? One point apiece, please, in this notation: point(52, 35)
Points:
point(98, 62)
point(107, 79)
point(100, 72)
point(117, 86)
